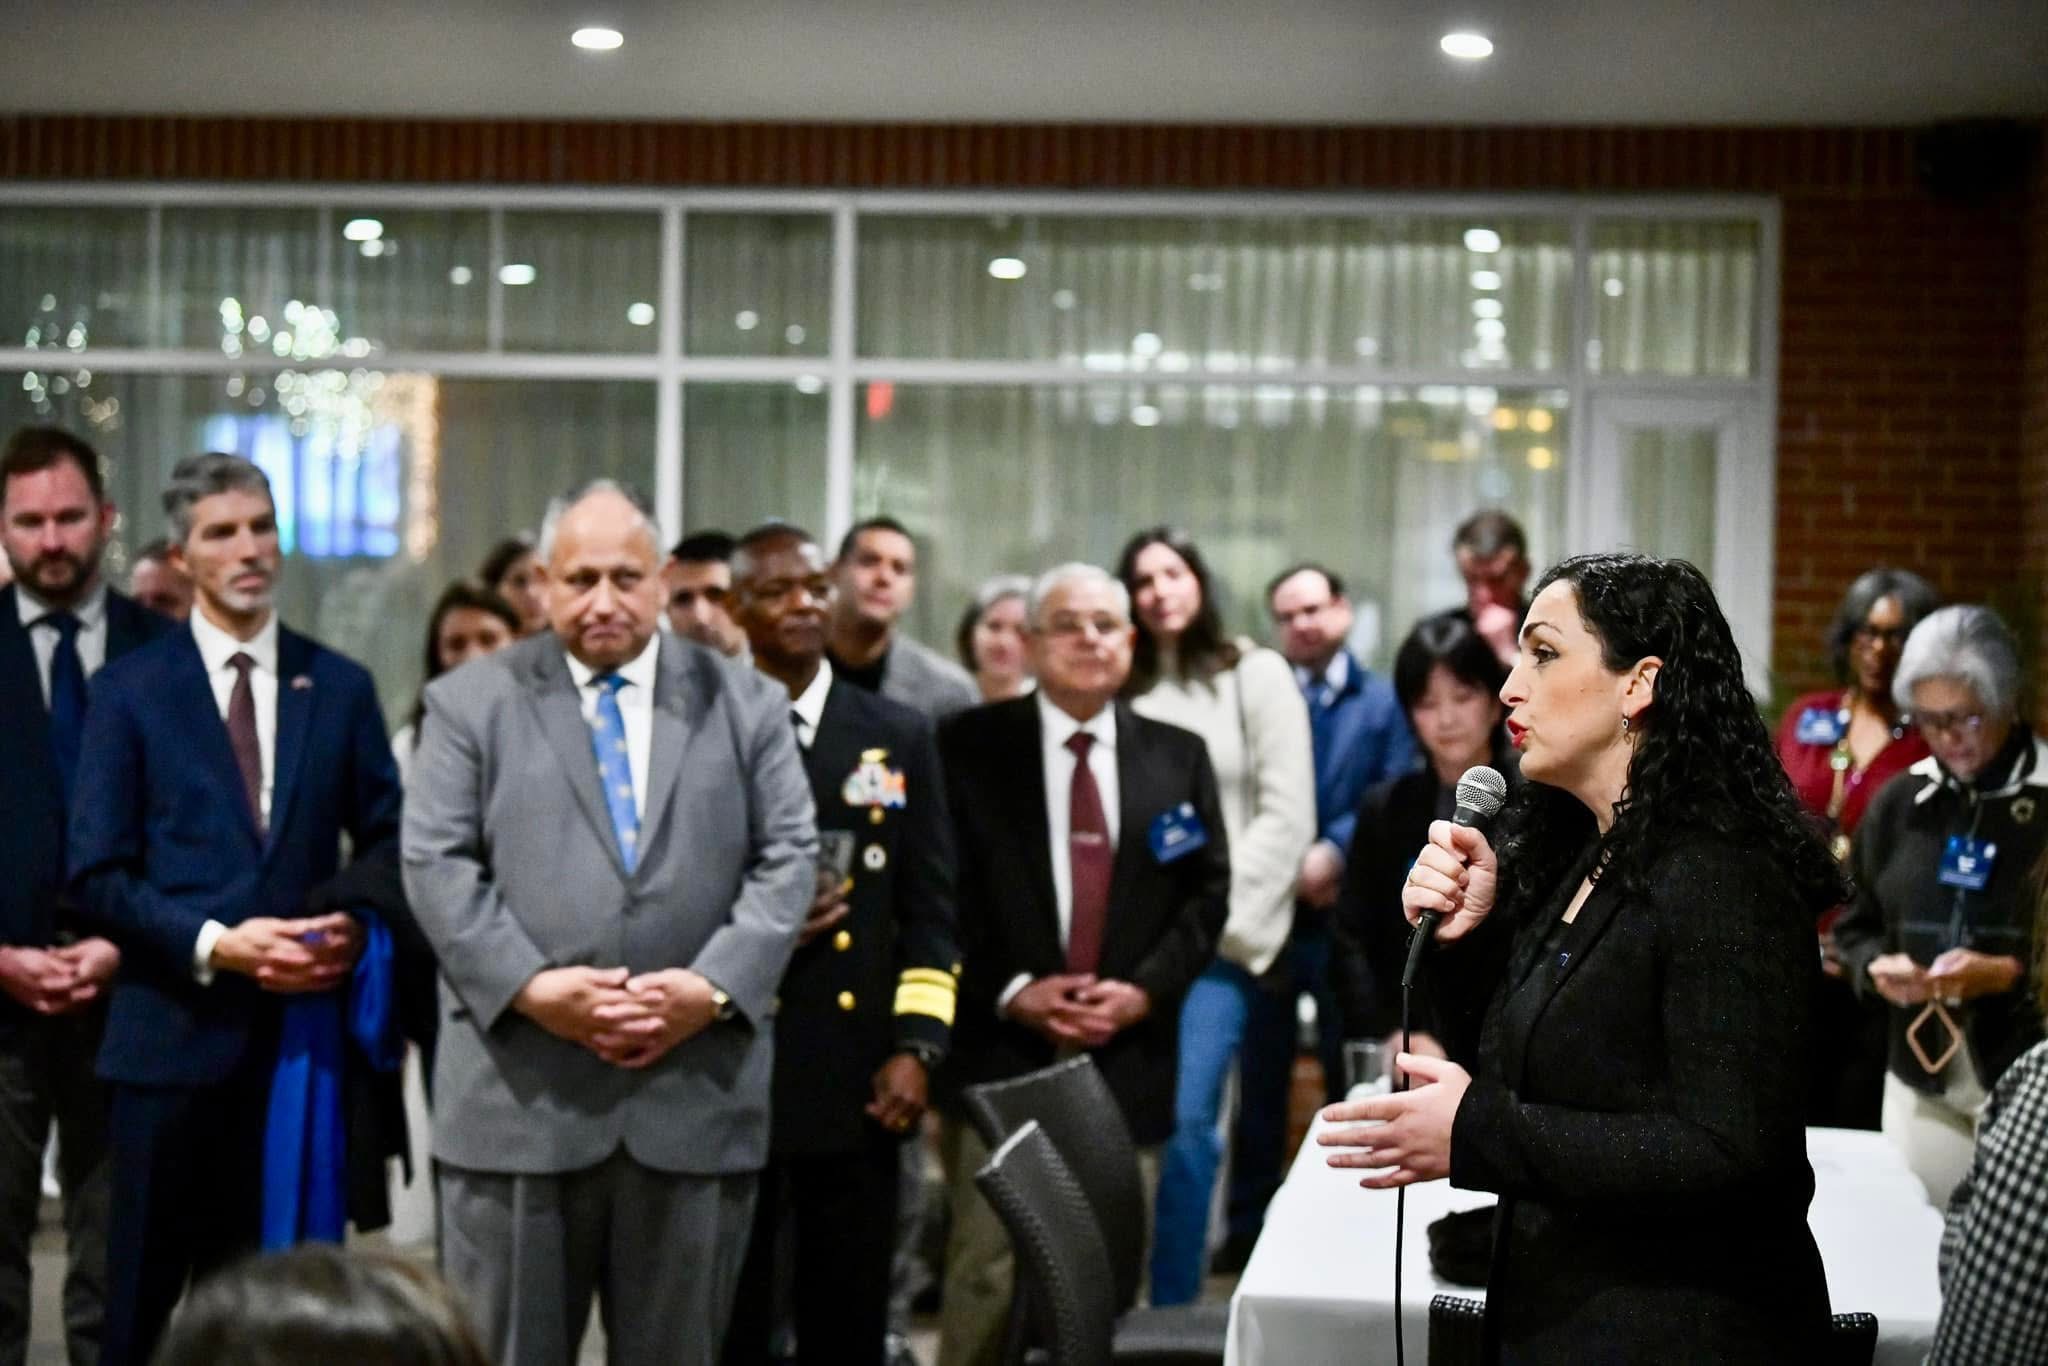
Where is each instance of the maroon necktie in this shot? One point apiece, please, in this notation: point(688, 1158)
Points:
point(1088, 860)
point(242, 735)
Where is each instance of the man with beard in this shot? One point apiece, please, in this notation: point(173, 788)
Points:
point(59, 623)
point(228, 759)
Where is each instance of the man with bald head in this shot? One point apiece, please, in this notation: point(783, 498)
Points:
point(609, 842)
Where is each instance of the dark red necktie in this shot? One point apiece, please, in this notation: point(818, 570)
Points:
point(1088, 860)
point(242, 735)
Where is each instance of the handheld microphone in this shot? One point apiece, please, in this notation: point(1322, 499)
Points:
point(1481, 794)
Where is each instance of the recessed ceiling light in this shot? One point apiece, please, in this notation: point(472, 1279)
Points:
point(516, 275)
point(1466, 46)
point(362, 230)
point(598, 39)
point(1612, 287)
point(460, 275)
point(1482, 240)
point(1006, 268)
point(640, 314)
point(1486, 279)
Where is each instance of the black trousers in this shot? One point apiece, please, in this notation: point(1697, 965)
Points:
point(46, 1077)
point(841, 1211)
point(187, 1165)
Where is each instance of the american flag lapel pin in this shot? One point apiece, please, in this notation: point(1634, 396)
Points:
point(302, 683)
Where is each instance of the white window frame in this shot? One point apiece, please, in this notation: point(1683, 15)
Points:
point(1745, 518)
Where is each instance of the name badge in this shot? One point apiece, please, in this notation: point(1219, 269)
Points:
point(1819, 726)
point(1177, 832)
point(1966, 863)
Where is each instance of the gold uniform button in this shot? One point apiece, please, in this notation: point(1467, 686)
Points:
point(846, 1000)
point(874, 815)
point(842, 941)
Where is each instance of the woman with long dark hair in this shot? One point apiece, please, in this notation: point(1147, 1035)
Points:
point(512, 571)
point(1638, 958)
point(1243, 701)
point(468, 621)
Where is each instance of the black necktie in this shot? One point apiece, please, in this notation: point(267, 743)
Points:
point(67, 699)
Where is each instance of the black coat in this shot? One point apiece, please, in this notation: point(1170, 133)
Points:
point(1901, 905)
point(883, 979)
point(1638, 1108)
point(33, 910)
point(1164, 918)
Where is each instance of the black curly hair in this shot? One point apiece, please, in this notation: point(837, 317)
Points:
point(1705, 760)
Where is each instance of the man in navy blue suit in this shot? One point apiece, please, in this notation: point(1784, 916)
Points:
point(227, 761)
point(58, 624)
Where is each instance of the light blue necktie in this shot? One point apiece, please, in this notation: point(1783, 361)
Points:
point(608, 737)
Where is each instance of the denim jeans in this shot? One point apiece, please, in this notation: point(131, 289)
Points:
point(1266, 1070)
point(1212, 1024)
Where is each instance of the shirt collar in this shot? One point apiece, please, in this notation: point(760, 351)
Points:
point(639, 671)
point(1335, 675)
point(810, 705)
point(89, 610)
point(217, 647)
point(1058, 727)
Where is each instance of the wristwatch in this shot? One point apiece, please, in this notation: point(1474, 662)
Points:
point(722, 1007)
point(925, 1053)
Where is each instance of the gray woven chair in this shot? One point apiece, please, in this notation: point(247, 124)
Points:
point(1074, 1107)
point(1059, 1253)
point(1456, 1325)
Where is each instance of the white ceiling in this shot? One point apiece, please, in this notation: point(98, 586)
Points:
point(1287, 61)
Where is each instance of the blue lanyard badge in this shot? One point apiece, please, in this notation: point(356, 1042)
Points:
point(1176, 832)
point(1966, 863)
point(1820, 726)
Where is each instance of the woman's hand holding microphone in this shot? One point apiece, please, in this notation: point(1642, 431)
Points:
point(1406, 1136)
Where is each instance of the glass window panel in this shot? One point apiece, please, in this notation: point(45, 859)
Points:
point(1668, 477)
point(1370, 480)
point(73, 278)
point(1230, 293)
point(1673, 298)
point(582, 282)
point(229, 275)
point(388, 484)
point(759, 284)
point(410, 279)
point(752, 452)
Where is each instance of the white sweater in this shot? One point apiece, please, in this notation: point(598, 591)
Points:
point(1265, 774)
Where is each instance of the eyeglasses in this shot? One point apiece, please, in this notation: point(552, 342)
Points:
point(1956, 723)
point(1879, 635)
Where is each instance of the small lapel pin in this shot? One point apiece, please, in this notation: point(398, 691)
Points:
point(302, 683)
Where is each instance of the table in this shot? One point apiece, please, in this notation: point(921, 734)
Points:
point(1320, 1284)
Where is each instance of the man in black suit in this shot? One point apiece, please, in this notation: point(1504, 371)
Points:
point(1094, 879)
point(59, 623)
point(866, 1007)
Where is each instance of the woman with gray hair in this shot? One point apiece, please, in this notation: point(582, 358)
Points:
point(1942, 927)
point(990, 638)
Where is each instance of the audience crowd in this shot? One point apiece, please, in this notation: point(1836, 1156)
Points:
point(700, 893)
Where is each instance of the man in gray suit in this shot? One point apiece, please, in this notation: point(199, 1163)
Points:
point(609, 841)
point(876, 578)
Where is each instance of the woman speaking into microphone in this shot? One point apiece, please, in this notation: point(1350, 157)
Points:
point(1636, 960)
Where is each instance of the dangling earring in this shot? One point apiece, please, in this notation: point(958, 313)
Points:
point(1624, 724)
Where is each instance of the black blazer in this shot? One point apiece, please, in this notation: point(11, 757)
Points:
point(1164, 918)
point(32, 815)
point(1638, 1106)
point(883, 979)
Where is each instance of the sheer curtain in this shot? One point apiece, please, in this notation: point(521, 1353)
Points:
point(1674, 297)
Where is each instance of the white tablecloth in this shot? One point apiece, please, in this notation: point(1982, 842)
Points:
point(1320, 1285)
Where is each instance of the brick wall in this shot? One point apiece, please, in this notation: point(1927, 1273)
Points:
point(2034, 435)
point(1906, 341)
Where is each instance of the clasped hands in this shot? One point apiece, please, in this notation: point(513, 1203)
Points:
point(628, 1021)
point(291, 957)
point(57, 981)
point(1957, 975)
point(1078, 1009)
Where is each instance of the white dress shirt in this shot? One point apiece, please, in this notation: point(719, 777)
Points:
point(216, 648)
point(1055, 728)
point(636, 709)
point(1335, 676)
point(809, 707)
point(42, 636)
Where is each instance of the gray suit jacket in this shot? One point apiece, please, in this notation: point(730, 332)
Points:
point(920, 677)
point(511, 867)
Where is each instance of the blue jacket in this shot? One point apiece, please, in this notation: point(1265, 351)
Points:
point(162, 839)
point(1361, 738)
